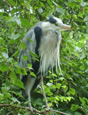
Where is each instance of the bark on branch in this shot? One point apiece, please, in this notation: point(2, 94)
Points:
point(34, 110)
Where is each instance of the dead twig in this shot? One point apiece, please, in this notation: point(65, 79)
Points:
point(34, 110)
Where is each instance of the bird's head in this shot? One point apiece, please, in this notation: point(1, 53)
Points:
point(55, 23)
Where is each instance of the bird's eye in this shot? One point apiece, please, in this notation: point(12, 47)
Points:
point(56, 24)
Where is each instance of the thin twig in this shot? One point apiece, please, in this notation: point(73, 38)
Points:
point(34, 110)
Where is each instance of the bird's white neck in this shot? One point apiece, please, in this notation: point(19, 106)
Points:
point(49, 50)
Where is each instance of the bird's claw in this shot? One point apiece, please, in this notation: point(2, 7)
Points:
point(31, 108)
point(49, 109)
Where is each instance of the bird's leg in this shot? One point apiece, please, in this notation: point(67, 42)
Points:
point(29, 87)
point(47, 106)
point(41, 83)
point(29, 100)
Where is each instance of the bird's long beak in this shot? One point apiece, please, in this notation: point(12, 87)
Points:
point(65, 27)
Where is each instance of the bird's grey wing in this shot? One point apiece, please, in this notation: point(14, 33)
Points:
point(30, 46)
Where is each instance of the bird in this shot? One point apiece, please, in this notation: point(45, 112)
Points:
point(42, 50)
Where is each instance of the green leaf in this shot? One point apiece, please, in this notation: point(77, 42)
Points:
point(77, 113)
point(5, 91)
point(21, 71)
point(23, 45)
point(2, 41)
point(48, 92)
point(40, 10)
point(60, 10)
point(30, 40)
point(14, 99)
point(83, 4)
point(71, 91)
point(78, 0)
point(33, 54)
point(68, 76)
point(19, 83)
point(25, 23)
point(76, 54)
point(29, 66)
point(74, 107)
point(82, 56)
point(13, 19)
point(53, 86)
point(13, 77)
point(12, 2)
point(53, 74)
point(61, 78)
point(16, 53)
point(15, 36)
point(57, 98)
point(83, 100)
point(5, 55)
point(38, 102)
point(86, 18)
point(4, 67)
point(32, 74)
point(12, 41)
point(1, 97)
point(25, 57)
point(69, 98)
point(71, 4)
point(16, 93)
point(58, 85)
point(16, 81)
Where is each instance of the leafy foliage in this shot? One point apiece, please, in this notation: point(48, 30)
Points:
point(69, 92)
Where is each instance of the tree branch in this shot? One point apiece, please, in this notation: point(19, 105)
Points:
point(34, 110)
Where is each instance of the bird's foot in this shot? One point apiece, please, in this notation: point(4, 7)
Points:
point(49, 109)
point(31, 110)
point(30, 107)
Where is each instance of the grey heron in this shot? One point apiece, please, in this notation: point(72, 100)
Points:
point(46, 37)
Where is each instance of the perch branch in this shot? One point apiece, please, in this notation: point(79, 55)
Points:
point(34, 110)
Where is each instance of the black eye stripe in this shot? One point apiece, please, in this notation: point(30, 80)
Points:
point(51, 19)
